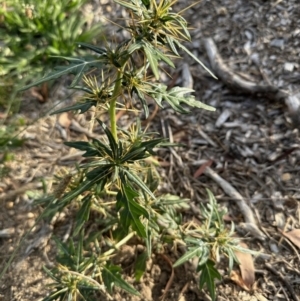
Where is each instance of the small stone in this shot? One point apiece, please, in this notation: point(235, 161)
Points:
point(31, 223)
point(146, 292)
point(9, 205)
point(30, 215)
point(288, 67)
point(286, 177)
point(222, 11)
point(278, 43)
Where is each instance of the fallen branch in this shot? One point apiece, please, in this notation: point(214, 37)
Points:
point(235, 81)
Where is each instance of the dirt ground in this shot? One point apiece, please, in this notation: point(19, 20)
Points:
point(252, 142)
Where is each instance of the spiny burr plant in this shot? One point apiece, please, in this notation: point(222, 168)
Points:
point(117, 185)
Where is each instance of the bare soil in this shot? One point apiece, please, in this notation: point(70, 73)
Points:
point(251, 141)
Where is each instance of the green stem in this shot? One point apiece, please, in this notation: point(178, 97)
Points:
point(113, 104)
point(119, 244)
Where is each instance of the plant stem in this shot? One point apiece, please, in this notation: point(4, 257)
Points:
point(113, 104)
point(119, 244)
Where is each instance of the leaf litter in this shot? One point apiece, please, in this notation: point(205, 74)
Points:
point(254, 146)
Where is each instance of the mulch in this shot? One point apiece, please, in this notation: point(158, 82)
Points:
point(247, 153)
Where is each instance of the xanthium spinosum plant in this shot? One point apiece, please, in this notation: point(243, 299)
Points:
point(117, 181)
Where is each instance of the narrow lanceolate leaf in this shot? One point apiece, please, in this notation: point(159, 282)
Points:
point(134, 178)
point(104, 150)
point(140, 265)
point(93, 48)
point(191, 253)
point(82, 107)
point(153, 61)
point(90, 150)
point(111, 276)
point(84, 186)
point(132, 6)
point(77, 66)
point(194, 57)
point(150, 144)
point(112, 142)
point(131, 211)
point(165, 58)
point(172, 45)
point(208, 275)
point(83, 214)
point(143, 102)
point(62, 247)
point(100, 173)
point(135, 154)
point(58, 294)
point(50, 274)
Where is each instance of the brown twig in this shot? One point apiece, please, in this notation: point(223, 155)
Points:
point(284, 280)
point(170, 281)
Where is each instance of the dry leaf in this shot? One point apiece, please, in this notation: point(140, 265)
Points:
point(236, 277)
point(246, 267)
point(293, 236)
point(201, 169)
point(35, 92)
point(40, 93)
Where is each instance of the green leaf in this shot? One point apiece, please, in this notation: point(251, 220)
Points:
point(135, 154)
point(178, 96)
point(150, 144)
point(191, 253)
point(172, 45)
point(90, 150)
point(153, 60)
point(140, 265)
point(143, 102)
point(112, 142)
point(111, 276)
point(54, 296)
point(84, 186)
point(62, 247)
point(208, 275)
point(134, 178)
point(77, 66)
point(131, 211)
point(132, 7)
point(79, 251)
point(50, 274)
point(83, 213)
point(146, 3)
point(93, 48)
point(82, 106)
point(194, 57)
point(205, 255)
point(164, 58)
point(103, 149)
point(101, 173)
